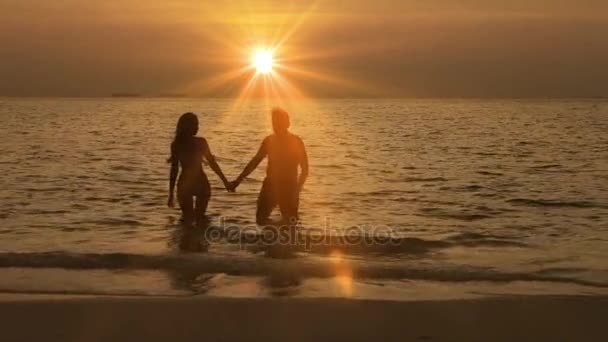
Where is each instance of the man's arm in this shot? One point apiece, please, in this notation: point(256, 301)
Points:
point(252, 165)
point(303, 166)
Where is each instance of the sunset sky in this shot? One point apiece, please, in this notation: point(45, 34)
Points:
point(339, 48)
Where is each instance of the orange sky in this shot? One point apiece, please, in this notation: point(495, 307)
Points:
point(348, 48)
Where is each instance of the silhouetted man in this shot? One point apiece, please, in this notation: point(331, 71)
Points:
point(286, 152)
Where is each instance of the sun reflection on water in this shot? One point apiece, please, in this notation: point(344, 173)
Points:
point(343, 273)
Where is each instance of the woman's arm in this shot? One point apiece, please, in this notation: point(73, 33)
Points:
point(214, 165)
point(172, 177)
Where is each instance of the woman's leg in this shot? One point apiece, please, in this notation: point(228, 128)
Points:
point(202, 201)
point(185, 203)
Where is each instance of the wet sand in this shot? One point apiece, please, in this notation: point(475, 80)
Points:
point(222, 319)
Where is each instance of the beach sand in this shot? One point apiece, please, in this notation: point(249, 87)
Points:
point(521, 318)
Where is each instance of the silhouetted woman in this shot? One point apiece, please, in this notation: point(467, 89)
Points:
point(193, 189)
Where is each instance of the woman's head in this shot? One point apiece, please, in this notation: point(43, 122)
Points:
point(187, 126)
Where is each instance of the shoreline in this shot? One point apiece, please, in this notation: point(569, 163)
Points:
point(95, 318)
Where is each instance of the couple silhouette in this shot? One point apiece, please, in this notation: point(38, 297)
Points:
point(286, 154)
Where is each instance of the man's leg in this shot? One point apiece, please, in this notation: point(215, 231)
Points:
point(289, 203)
point(265, 205)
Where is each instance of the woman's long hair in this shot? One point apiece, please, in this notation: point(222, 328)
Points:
point(187, 127)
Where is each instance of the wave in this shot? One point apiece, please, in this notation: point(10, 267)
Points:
point(50, 189)
point(455, 215)
point(45, 212)
point(254, 266)
point(385, 192)
point(546, 166)
point(464, 188)
point(112, 222)
point(554, 203)
point(123, 168)
point(471, 239)
point(489, 173)
point(425, 179)
point(382, 243)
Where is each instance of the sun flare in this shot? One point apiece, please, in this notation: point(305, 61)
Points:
point(265, 64)
point(263, 61)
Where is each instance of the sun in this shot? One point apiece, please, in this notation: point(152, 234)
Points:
point(263, 61)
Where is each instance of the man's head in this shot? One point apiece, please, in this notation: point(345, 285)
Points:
point(280, 120)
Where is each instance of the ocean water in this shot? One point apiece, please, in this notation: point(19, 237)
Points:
point(473, 193)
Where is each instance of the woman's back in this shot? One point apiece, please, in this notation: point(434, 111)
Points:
point(193, 188)
point(189, 152)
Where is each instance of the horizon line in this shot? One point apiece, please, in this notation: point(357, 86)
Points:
point(137, 96)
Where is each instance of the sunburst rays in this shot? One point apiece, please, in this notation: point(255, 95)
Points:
point(249, 31)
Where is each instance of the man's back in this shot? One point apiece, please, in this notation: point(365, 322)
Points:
point(285, 153)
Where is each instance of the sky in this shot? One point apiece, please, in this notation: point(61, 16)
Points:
point(339, 48)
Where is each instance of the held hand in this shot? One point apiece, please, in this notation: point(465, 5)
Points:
point(231, 186)
point(228, 186)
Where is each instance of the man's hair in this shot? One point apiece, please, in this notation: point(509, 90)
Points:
point(280, 118)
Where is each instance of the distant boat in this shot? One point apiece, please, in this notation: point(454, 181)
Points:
point(125, 95)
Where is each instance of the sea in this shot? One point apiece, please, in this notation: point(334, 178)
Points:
point(407, 199)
